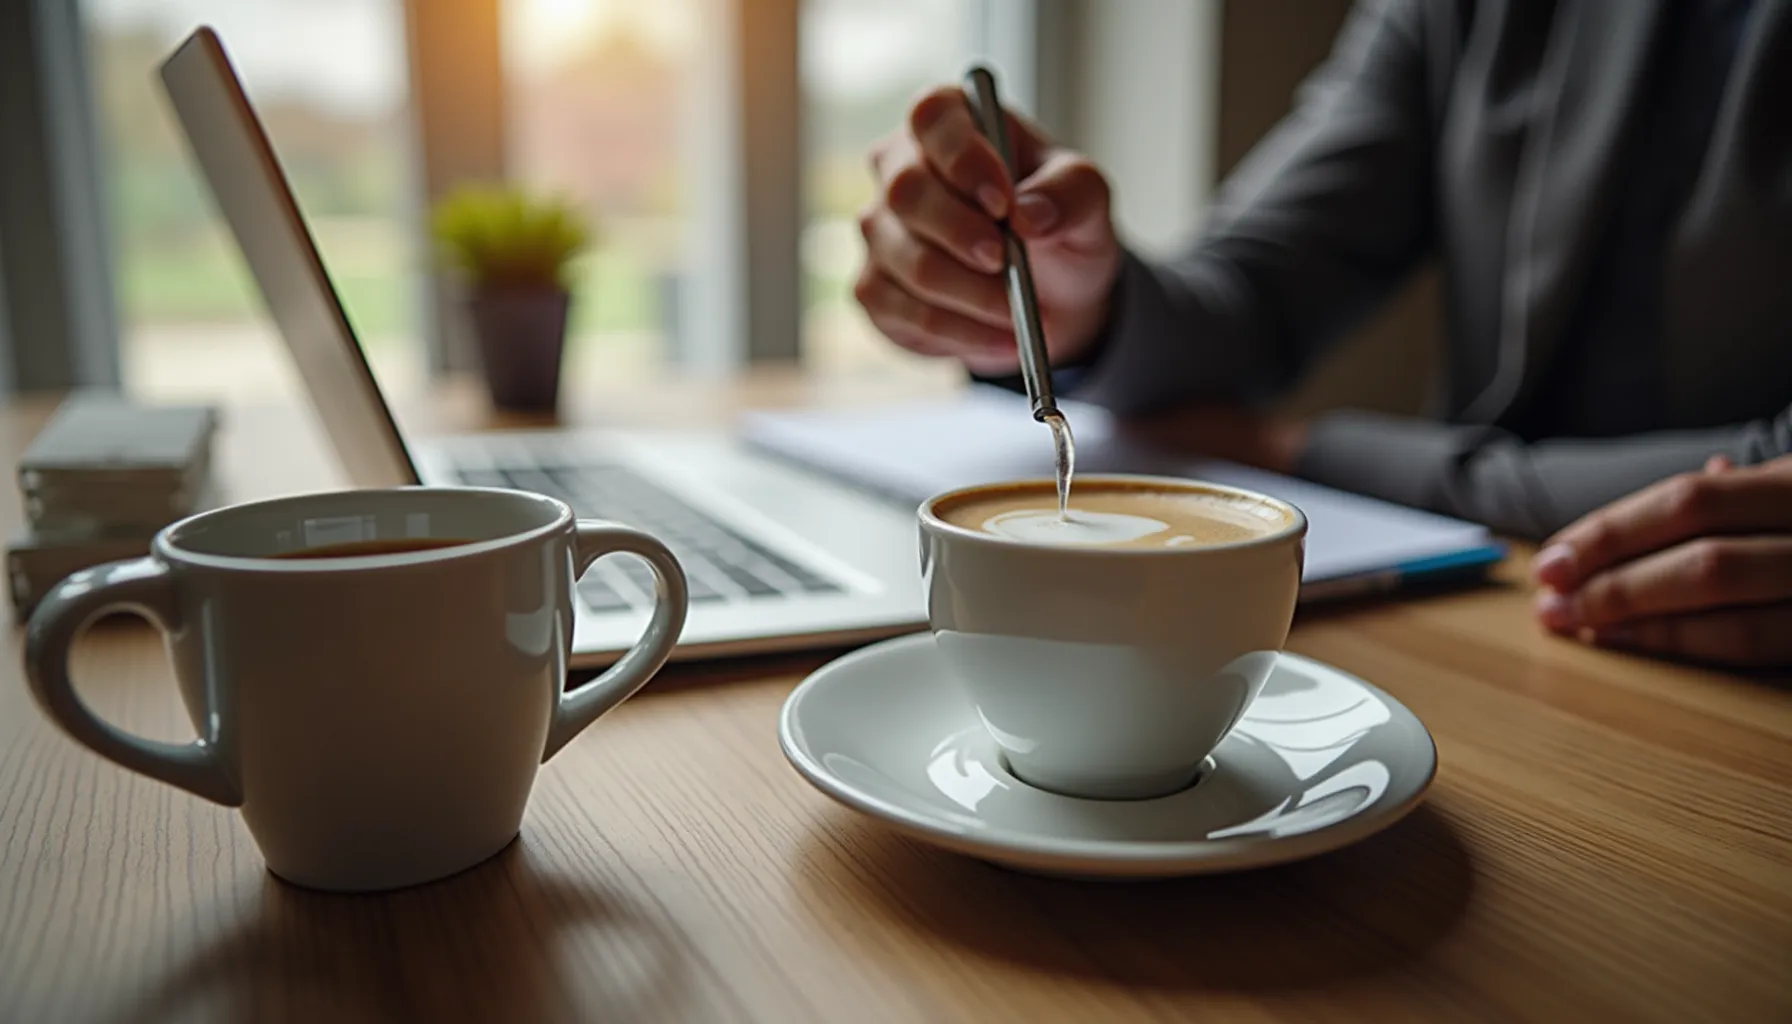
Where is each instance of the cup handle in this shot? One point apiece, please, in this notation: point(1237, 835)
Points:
point(145, 587)
point(581, 707)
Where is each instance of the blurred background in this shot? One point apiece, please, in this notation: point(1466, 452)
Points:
point(718, 145)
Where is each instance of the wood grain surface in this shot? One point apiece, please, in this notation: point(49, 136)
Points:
point(1608, 839)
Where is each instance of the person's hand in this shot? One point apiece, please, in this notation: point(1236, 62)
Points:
point(932, 280)
point(1698, 566)
point(1224, 431)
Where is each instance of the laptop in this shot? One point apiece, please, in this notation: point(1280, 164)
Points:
point(777, 557)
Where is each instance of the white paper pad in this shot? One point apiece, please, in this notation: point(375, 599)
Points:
point(913, 450)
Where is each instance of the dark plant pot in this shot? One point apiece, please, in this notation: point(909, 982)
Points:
point(522, 334)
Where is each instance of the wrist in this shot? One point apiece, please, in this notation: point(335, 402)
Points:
point(1083, 336)
point(1287, 442)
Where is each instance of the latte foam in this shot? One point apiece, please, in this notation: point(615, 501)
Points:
point(1080, 526)
point(1106, 512)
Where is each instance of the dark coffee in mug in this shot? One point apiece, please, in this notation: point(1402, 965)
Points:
point(364, 548)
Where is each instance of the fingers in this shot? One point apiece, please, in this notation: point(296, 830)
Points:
point(1066, 200)
point(956, 150)
point(932, 280)
point(929, 273)
point(1711, 572)
point(928, 329)
point(927, 207)
point(1679, 508)
point(929, 282)
point(1759, 636)
point(1064, 196)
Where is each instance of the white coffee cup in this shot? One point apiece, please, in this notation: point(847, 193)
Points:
point(379, 718)
point(1110, 672)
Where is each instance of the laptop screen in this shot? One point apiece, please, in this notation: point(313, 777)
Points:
point(251, 190)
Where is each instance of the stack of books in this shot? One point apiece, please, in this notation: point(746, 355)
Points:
point(103, 476)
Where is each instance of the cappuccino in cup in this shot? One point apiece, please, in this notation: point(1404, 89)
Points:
point(1107, 651)
point(1114, 513)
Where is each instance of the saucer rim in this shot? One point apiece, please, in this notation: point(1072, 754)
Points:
point(1110, 857)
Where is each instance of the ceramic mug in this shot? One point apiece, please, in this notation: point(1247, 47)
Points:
point(378, 717)
point(1111, 673)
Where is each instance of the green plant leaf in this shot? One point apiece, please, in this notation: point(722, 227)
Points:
point(500, 235)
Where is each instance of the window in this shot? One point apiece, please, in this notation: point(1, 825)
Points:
point(597, 101)
point(328, 79)
point(864, 61)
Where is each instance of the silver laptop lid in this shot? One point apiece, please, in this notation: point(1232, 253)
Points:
point(252, 192)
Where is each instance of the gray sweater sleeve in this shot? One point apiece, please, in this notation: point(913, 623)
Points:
point(1527, 490)
point(1320, 223)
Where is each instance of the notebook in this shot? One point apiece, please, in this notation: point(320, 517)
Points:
point(910, 451)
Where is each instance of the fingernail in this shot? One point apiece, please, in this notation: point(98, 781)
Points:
point(1038, 212)
point(987, 254)
point(1554, 564)
point(1556, 611)
point(992, 199)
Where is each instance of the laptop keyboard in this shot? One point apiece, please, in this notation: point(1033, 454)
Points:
point(720, 564)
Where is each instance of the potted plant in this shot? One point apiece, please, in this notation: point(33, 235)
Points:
point(515, 251)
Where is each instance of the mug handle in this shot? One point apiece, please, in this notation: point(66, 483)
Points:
point(581, 707)
point(144, 586)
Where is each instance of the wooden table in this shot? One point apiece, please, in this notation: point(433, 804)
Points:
point(1608, 839)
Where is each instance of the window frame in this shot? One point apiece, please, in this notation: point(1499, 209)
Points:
point(59, 305)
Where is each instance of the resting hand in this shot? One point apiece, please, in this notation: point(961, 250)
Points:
point(1221, 430)
point(1698, 566)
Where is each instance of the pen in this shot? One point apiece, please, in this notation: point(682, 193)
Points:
point(1023, 303)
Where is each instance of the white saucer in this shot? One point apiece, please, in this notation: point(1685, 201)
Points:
point(1321, 760)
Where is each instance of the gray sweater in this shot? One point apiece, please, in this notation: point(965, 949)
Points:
point(1608, 187)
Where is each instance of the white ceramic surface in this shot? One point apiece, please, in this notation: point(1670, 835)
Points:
point(1111, 672)
point(379, 719)
point(1320, 760)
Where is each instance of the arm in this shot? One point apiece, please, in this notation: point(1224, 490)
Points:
point(1321, 222)
point(1529, 490)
